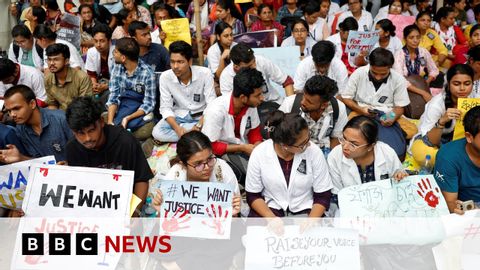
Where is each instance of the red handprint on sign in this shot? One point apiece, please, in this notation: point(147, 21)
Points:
point(217, 220)
point(427, 192)
point(173, 224)
point(36, 259)
point(116, 176)
point(44, 171)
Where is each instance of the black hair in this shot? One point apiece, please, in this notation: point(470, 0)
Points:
point(230, 5)
point(219, 28)
point(241, 53)
point(366, 126)
point(129, 47)
point(58, 48)
point(323, 52)
point(409, 29)
point(246, 81)
point(297, 21)
point(83, 112)
point(191, 143)
point(311, 7)
point(160, 5)
point(102, 28)
point(7, 68)
point(21, 30)
point(476, 10)
point(423, 13)
point(136, 25)
point(86, 6)
point(285, 127)
point(40, 13)
point(442, 13)
point(43, 31)
point(471, 121)
point(348, 24)
point(474, 53)
point(381, 57)
point(474, 28)
point(262, 6)
point(322, 86)
point(122, 15)
point(26, 92)
point(452, 71)
point(181, 47)
point(52, 4)
point(387, 26)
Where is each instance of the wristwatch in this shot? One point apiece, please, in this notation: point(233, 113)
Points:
point(438, 125)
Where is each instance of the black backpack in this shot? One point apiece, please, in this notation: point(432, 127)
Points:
point(333, 101)
point(16, 51)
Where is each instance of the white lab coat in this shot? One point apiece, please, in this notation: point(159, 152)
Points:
point(265, 175)
point(219, 125)
point(364, 23)
point(214, 56)
point(344, 171)
point(37, 59)
point(93, 61)
point(30, 77)
point(337, 40)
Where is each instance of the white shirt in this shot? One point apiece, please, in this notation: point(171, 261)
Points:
point(307, 51)
point(222, 173)
point(214, 55)
point(316, 30)
point(391, 94)
point(219, 124)
point(270, 72)
point(177, 99)
point(37, 59)
point(265, 175)
point(326, 120)
point(75, 57)
point(306, 69)
point(394, 45)
point(156, 36)
point(344, 171)
point(30, 77)
point(337, 40)
point(334, 8)
point(364, 23)
point(93, 61)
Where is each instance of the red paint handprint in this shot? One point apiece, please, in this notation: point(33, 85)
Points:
point(363, 228)
point(427, 192)
point(44, 171)
point(116, 176)
point(36, 259)
point(217, 219)
point(173, 224)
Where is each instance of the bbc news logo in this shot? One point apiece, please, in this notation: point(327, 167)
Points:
point(87, 244)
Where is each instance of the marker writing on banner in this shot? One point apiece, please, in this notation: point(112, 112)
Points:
point(87, 198)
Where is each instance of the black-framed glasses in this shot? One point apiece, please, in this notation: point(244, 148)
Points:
point(201, 166)
point(302, 146)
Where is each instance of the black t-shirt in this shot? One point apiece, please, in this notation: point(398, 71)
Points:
point(121, 151)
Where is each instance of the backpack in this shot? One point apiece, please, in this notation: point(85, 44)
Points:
point(16, 51)
point(333, 101)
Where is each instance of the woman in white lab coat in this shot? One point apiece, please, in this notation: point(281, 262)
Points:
point(287, 175)
point(361, 158)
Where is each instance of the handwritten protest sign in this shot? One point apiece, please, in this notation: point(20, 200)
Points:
point(58, 191)
point(13, 181)
point(319, 248)
point(196, 209)
point(361, 41)
point(176, 29)
point(400, 22)
point(464, 105)
point(258, 39)
point(70, 29)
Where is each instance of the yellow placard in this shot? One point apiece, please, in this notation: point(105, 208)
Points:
point(464, 105)
point(242, 1)
point(134, 202)
point(176, 29)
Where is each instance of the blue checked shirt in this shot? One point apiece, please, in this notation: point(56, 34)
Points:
point(142, 79)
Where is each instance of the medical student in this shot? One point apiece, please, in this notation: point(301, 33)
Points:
point(287, 175)
point(361, 158)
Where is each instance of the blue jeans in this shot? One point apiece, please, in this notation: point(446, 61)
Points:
point(165, 133)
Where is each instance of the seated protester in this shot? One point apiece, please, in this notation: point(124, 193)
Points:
point(218, 56)
point(266, 21)
point(87, 22)
point(363, 17)
point(289, 10)
point(14, 74)
point(101, 13)
point(42, 132)
point(232, 123)
point(173, 4)
point(46, 37)
point(468, 31)
point(185, 91)
point(132, 90)
point(104, 146)
point(124, 18)
point(9, 137)
point(438, 121)
point(318, 27)
point(420, 6)
point(300, 37)
point(251, 15)
point(325, 115)
point(63, 83)
point(471, 14)
point(205, 6)
point(474, 63)
point(227, 13)
point(35, 17)
point(387, 39)
point(152, 54)
point(457, 169)
point(415, 60)
point(376, 90)
point(340, 41)
point(24, 49)
point(161, 12)
point(140, 12)
point(474, 41)
point(287, 175)
point(396, 7)
point(242, 56)
point(430, 40)
point(322, 62)
point(99, 62)
point(361, 158)
point(54, 14)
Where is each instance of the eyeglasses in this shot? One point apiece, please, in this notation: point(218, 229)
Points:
point(201, 166)
point(353, 146)
point(303, 145)
point(298, 31)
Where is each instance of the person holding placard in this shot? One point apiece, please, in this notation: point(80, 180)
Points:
point(9, 137)
point(161, 12)
point(300, 37)
point(438, 121)
point(287, 175)
point(340, 41)
point(457, 169)
point(266, 21)
point(363, 17)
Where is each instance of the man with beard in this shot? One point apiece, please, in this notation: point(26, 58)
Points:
point(63, 83)
point(185, 91)
point(132, 90)
point(325, 115)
